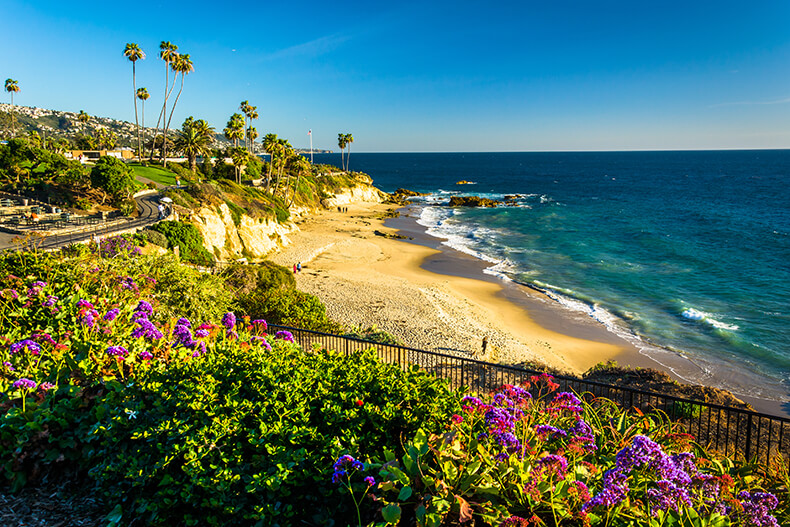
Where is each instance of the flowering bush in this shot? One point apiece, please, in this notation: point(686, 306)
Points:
point(528, 456)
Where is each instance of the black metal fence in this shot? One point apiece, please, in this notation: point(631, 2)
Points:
point(734, 432)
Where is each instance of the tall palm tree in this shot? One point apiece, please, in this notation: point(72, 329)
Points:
point(234, 130)
point(133, 52)
point(284, 150)
point(194, 140)
point(349, 140)
point(252, 135)
point(183, 65)
point(83, 117)
point(167, 52)
point(143, 95)
point(300, 165)
point(240, 158)
point(270, 146)
point(12, 87)
point(341, 143)
point(250, 112)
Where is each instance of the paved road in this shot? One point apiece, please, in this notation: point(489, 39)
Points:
point(148, 215)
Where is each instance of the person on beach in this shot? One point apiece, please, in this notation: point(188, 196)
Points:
point(299, 267)
point(485, 345)
point(161, 211)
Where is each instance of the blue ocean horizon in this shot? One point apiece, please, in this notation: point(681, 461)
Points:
point(686, 251)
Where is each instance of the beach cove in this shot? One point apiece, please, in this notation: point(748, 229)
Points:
point(436, 299)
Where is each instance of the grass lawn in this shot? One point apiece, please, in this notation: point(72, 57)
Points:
point(154, 173)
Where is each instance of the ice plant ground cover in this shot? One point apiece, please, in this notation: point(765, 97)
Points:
point(126, 374)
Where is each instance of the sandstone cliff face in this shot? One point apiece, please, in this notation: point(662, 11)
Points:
point(256, 238)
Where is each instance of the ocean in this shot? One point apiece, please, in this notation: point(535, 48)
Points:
point(678, 252)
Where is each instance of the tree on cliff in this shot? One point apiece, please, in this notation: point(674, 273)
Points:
point(194, 140)
point(181, 64)
point(143, 95)
point(349, 139)
point(134, 53)
point(341, 143)
point(12, 87)
point(113, 177)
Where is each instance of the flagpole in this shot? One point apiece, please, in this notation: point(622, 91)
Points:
point(310, 133)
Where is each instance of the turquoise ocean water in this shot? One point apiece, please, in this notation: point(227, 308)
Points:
point(682, 251)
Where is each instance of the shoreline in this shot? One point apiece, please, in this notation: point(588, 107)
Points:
point(431, 296)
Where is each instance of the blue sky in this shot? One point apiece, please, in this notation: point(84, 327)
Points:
point(428, 76)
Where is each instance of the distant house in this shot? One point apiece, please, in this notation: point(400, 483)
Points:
point(94, 155)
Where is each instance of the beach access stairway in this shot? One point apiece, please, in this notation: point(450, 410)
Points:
point(730, 431)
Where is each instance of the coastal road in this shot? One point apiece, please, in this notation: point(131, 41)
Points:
point(148, 215)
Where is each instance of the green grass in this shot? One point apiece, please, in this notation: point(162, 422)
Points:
point(154, 173)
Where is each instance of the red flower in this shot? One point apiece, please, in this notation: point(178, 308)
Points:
point(359, 402)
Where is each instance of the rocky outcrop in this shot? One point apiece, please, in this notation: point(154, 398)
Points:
point(257, 237)
point(465, 182)
point(472, 201)
point(363, 193)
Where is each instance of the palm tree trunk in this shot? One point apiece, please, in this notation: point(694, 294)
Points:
point(348, 155)
point(167, 124)
point(296, 186)
point(143, 109)
point(173, 109)
point(162, 112)
point(134, 96)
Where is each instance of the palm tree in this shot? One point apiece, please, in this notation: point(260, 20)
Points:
point(240, 158)
point(143, 95)
point(234, 130)
point(349, 140)
point(183, 65)
point(12, 87)
point(83, 117)
point(300, 165)
point(284, 150)
point(250, 112)
point(252, 135)
point(134, 53)
point(194, 139)
point(269, 146)
point(341, 143)
point(167, 52)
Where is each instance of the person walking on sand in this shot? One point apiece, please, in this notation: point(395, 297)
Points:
point(294, 268)
point(299, 267)
point(485, 345)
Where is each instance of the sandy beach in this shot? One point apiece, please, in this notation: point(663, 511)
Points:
point(436, 300)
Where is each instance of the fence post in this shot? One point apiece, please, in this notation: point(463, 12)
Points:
point(749, 438)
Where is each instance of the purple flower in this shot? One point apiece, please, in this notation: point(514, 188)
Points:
point(231, 334)
point(118, 351)
point(50, 301)
point(756, 507)
point(553, 464)
point(341, 467)
point(260, 322)
point(35, 288)
point(44, 337)
point(284, 335)
point(201, 349)
point(146, 355)
point(24, 384)
point(111, 315)
point(9, 366)
point(565, 401)
point(229, 320)
point(145, 328)
point(667, 495)
point(370, 481)
point(128, 284)
point(27, 344)
point(46, 386)
point(201, 333)
point(89, 319)
point(615, 488)
point(84, 304)
point(549, 432)
point(183, 336)
point(184, 322)
point(144, 307)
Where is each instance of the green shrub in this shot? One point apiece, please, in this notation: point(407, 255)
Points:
point(267, 275)
point(156, 237)
point(188, 239)
point(287, 307)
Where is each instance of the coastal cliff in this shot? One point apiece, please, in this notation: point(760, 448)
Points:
point(229, 238)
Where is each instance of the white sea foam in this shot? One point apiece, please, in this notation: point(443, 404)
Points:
point(701, 316)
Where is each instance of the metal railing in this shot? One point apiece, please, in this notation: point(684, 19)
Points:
point(731, 431)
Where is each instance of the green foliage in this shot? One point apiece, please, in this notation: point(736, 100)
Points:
point(156, 237)
point(287, 307)
point(236, 212)
point(188, 239)
point(266, 276)
point(372, 333)
point(114, 177)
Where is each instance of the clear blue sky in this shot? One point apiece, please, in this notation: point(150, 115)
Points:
point(428, 76)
